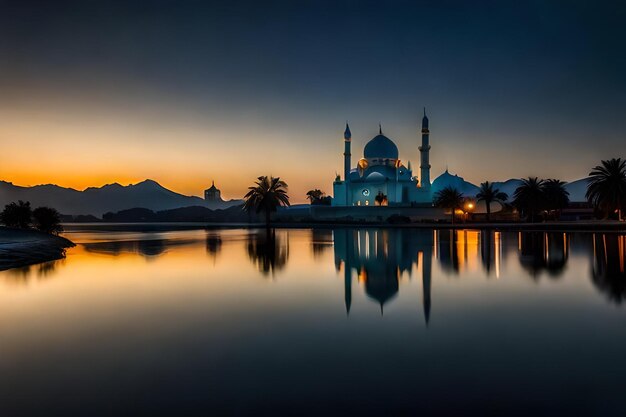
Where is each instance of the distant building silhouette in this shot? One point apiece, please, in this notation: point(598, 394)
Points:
point(213, 194)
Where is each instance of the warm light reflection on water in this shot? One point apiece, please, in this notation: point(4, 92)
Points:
point(243, 320)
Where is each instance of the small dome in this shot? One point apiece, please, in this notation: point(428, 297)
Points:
point(381, 147)
point(448, 180)
point(375, 177)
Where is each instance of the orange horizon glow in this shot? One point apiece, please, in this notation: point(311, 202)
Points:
point(80, 144)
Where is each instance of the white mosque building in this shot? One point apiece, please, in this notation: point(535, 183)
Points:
point(381, 178)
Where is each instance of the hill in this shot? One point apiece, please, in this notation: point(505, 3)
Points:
point(108, 198)
point(233, 214)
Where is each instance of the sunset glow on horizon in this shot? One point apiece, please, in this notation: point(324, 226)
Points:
point(201, 97)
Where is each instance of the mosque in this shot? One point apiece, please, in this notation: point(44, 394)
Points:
point(380, 178)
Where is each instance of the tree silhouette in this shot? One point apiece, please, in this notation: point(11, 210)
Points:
point(266, 195)
point(381, 199)
point(17, 215)
point(268, 252)
point(449, 198)
point(489, 195)
point(529, 197)
point(556, 197)
point(315, 196)
point(606, 189)
point(47, 220)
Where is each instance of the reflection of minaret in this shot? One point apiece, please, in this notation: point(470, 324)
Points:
point(348, 271)
point(426, 274)
point(347, 288)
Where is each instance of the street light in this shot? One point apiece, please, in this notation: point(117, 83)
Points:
point(469, 206)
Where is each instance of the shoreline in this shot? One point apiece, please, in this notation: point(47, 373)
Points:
point(23, 247)
point(590, 226)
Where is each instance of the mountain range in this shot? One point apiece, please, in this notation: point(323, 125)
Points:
point(576, 189)
point(151, 195)
point(109, 198)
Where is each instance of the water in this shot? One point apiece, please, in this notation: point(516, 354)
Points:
point(317, 322)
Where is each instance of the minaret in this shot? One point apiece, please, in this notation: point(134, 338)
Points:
point(347, 136)
point(424, 160)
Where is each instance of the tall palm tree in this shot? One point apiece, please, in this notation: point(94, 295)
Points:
point(529, 197)
point(606, 189)
point(266, 195)
point(449, 198)
point(489, 195)
point(556, 197)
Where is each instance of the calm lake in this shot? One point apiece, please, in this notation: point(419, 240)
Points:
point(317, 322)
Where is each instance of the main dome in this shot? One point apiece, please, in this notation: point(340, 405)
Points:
point(381, 147)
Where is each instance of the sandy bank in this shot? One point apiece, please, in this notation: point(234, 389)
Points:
point(20, 247)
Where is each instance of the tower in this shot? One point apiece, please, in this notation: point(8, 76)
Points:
point(424, 150)
point(213, 193)
point(347, 137)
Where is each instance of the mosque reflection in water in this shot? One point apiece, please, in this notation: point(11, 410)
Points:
point(377, 258)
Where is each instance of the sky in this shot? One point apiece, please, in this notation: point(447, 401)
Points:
point(186, 92)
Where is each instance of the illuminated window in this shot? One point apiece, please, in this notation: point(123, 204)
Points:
point(367, 203)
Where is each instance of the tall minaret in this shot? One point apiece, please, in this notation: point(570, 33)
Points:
point(347, 136)
point(424, 149)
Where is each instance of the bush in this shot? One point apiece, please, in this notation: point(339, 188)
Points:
point(47, 220)
point(398, 219)
point(16, 215)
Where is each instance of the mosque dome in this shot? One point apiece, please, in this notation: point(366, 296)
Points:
point(381, 147)
point(448, 180)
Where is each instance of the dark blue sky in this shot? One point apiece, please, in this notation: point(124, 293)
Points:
point(513, 88)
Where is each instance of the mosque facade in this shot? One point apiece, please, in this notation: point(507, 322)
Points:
point(380, 178)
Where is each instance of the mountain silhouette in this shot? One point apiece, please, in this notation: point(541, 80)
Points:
point(108, 198)
point(576, 189)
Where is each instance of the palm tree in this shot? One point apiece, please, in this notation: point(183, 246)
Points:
point(449, 198)
point(315, 196)
point(606, 189)
point(556, 197)
point(266, 195)
point(489, 195)
point(529, 197)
